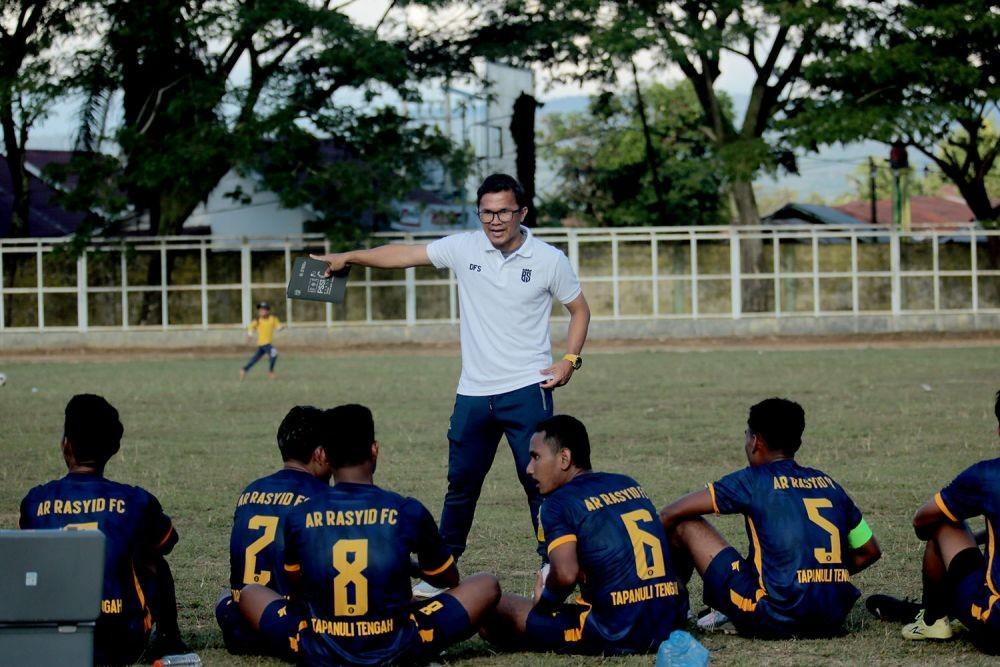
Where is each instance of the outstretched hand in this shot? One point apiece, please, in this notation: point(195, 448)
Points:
point(335, 262)
point(558, 374)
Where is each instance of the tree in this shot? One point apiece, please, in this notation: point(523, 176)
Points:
point(926, 75)
point(251, 85)
point(30, 32)
point(597, 38)
point(606, 174)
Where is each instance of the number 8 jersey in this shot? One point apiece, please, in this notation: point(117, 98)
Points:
point(801, 525)
point(351, 546)
point(627, 578)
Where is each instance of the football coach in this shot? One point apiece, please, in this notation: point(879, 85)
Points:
point(507, 279)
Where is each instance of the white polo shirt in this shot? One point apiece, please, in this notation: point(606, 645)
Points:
point(505, 307)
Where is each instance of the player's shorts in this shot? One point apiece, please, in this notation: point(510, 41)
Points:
point(732, 586)
point(565, 631)
point(237, 634)
point(973, 602)
point(118, 643)
point(440, 622)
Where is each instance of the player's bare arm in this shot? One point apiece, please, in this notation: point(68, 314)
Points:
point(562, 577)
point(927, 518)
point(449, 578)
point(692, 505)
point(864, 556)
point(579, 321)
point(392, 256)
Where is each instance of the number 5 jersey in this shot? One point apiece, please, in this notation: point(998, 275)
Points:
point(801, 525)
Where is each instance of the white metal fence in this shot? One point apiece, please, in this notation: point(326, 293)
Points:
point(641, 273)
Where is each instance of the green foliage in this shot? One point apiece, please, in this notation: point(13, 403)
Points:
point(921, 183)
point(604, 174)
point(253, 86)
point(926, 75)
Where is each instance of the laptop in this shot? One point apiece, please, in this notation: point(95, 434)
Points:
point(50, 595)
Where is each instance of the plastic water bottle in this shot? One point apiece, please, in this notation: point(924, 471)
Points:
point(187, 659)
point(681, 650)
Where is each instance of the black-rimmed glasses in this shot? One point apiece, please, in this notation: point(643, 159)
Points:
point(503, 215)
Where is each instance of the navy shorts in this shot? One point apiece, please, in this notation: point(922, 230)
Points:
point(561, 631)
point(237, 634)
point(732, 586)
point(439, 622)
point(974, 602)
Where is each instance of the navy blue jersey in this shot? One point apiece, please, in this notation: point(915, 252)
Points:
point(352, 545)
point(257, 543)
point(134, 526)
point(629, 582)
point(976, 492)
point(799, 523)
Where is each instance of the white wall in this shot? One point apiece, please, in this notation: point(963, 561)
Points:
point(263, 216)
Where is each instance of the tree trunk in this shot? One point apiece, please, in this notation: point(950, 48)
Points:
point(522, 129)
point(751, 250)
point(652, 162)
point(976, 198)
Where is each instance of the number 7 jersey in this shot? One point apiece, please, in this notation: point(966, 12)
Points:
point(351, 545)
point(628, 580)
point(801, 525)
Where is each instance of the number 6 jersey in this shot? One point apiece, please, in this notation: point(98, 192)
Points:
point(351, 544)
point(801, 525)
point(627, 578)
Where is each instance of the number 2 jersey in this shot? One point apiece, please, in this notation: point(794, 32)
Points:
point(351, 545)
point(135, 529)
point(634, 596)
point(800, 524)
point(257, 543)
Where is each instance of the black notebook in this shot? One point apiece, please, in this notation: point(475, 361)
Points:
point(309, 282)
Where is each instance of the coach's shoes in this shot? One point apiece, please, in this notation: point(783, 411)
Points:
point(423, 591)
point(919, 630)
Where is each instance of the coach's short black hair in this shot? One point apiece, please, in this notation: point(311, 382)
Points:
point(92, 428)
point(352, 432)
point(301, 432)
point(780, 422)
point(565, 432)
point(503, 183)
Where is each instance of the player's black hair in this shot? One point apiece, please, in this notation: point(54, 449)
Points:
point(352, 432)
point(780, 422)
point(93, 429)
point(503, 183)
point(300, 433)
point(565, 432)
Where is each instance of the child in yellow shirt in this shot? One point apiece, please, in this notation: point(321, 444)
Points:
point(265, 324)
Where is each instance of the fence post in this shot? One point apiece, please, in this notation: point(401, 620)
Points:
point(81, 292)
point(3, 321)
point(735, 271)
point(40, 279)
point(124, 269)
point(245, 276)
point(855, 299)
point(615, 291)
point(411, 296)
point(573, 243)
point(776, 260)
point(694, 274)
point(654, 256)
point(204, 285)
point(974, 268)
point(288, 277)
point(164, 314)
point(894, 271)
point(815, 272)
point(936, 266)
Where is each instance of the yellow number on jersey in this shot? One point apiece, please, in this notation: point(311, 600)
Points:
point(350, 572)
point(270, 526)
point(89, 525)
point(813, 506)
point(646, 568)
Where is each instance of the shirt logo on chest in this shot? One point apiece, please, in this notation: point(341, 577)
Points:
point(525, 275)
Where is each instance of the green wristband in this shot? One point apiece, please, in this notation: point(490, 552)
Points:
point(860, 535)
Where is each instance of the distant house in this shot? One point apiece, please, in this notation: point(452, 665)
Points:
point(45, 217)
point(941, 214)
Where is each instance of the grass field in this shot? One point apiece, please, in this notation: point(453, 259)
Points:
point(674, 420)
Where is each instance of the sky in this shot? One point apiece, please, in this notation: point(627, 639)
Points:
point(824, 173)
